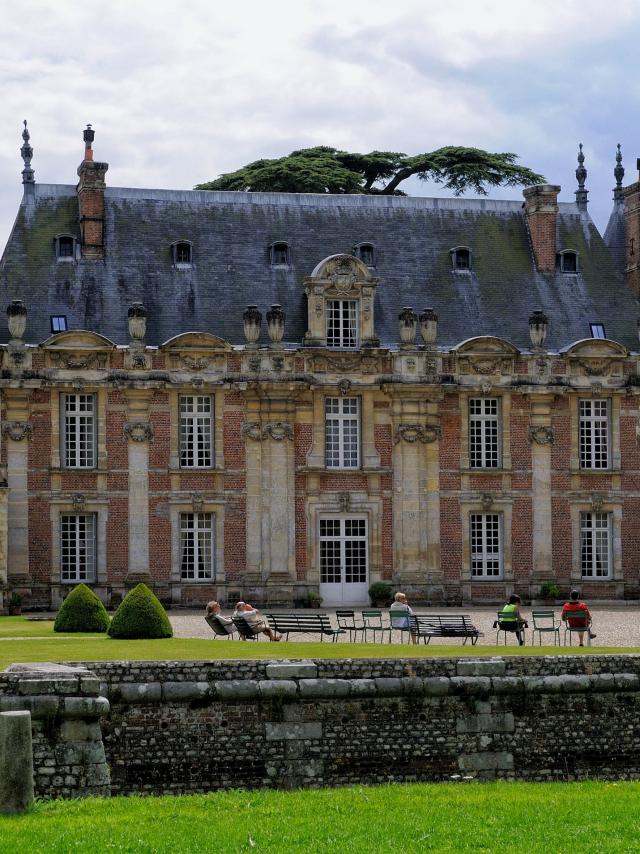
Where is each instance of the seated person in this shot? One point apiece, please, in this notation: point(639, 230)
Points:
point(213, 610)
point(252, 616)
point(511, 614)
point(577, 615)
point(399, 614)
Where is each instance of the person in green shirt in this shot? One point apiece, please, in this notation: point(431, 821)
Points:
point(511, 614)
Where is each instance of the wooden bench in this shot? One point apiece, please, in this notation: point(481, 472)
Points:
point(286, 624)
point(444, 626)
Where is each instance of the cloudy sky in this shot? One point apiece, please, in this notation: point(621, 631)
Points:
point(180, 92)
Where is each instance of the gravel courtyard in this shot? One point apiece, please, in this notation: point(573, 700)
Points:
point(614, 626)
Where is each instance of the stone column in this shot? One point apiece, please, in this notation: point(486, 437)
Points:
point(541, 438)
point(270, 490)
point(16, 762)
point(16, 431)
point(416, 505)
point(139, 432)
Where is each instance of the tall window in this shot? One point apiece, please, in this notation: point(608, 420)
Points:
point(279, 255)
point(196, 546)
point(365, 252)
point(484, 433)
point(342, 323)
point(182, 253)
point(594, 434)
point(343, 551)
point(486, 545)
point(79, 431)
point(342, 432)
point(196, 444)
point(595, 545)
point(65, 248)
point(78, 547)
point(461, 259)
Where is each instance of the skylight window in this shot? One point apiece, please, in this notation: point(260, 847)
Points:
point(597, 330)
point(58, 322)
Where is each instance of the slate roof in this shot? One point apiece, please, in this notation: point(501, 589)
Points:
point(231, 234)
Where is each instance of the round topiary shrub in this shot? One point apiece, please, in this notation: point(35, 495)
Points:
point(140, 615)
point(81, 611)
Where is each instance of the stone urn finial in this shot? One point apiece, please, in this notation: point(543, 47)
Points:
point(408, 321)
point(429, 326)
point(137, 316)
point(275, 324)
point(538, 328)
point(16, 319)
point(252, 319)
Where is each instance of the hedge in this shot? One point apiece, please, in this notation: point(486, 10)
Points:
point(82, 611)
point(140, 615)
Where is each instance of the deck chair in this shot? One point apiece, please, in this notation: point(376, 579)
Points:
point(219, 628)
point(581, 624)
point(506, 624)
point(544, 622)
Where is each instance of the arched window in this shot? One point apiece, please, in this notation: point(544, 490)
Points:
point(461, 258)
point(279, 254)
point(65, 247)
point(568, 261)
point(366, 253)
point(182, 254)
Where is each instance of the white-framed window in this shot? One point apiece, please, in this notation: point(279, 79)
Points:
point(342, 432)
point(58, 322)
point(595, 544)
point(486, 545)
point(65, 246)
point(342, 322)
point(594, 434)
point(197, 546)
point(196, 431)
point(484, 432)
point(77, 547)
point(597, 330)
point(343, 551)
point(78, 420)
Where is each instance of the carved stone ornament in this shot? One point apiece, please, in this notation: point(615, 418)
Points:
point(78, 500)
point(278, 363)
point(138, 359)
point(254, 363)
point(277, 430)
point(17, 430)
point(486, 365)
point(486, 387)
point(194, 364)
point(597, 500)
point(77, 362)
point(197, 502)
point(595, 367)
point(345, 364)
point(344, 502)
point(541, 435)
point(138, 431)
point(344, 386)
point(486, 501)
point(425, 433)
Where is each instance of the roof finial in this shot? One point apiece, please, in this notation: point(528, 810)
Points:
point(88, 135)
point(28, 175)
point(581, 176)
point(618, 174)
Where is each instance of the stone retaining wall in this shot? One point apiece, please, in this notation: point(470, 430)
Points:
point(196, 726)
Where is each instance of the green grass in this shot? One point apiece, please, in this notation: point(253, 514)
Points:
point(21, 627)
point(446, 817)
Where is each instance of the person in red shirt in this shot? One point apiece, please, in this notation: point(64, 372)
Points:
point(577, 614)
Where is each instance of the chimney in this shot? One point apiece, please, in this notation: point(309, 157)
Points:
point(541, 210)
point(631, 198)
point(90, 191)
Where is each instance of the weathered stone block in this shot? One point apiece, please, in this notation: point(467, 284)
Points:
point(294, 670)
point(236, 689)
point(436, 686)
point(496, 722)
point(80, 730)
point(494, 667)
point(499, 761)
point(85, 707)
point(278, 688)
point(324, 688)
point(139, 692)
point(16, 762)
point(362, 687)
point(290, 730)
point(470, 685)
point(185, 691)
point(388, 686)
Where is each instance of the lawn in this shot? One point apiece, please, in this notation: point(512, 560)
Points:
point(25, 640)
point(544, 818)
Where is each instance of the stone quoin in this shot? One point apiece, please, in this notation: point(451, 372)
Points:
point(187, 403)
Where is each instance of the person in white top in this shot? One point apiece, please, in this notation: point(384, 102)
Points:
point(214, 610)
point(399, 614)
point(254, 618)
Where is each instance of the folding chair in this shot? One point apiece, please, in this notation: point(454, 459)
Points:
point(373, 622)
point(347, 621)
point(506, 623)
point(545, 622)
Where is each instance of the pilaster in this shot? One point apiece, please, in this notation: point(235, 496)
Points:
point(16, 431)
point(139, 432)
point(541, 438)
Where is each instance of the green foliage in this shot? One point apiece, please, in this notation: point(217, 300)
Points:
point(312, 599)
point(140, 615)
point(15, 600)
point(82, 611)
point(380, 592)
point(447, 818)
point(549, 590)
point(326, 170)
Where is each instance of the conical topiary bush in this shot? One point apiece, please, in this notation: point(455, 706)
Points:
point(81, 611)
point(140, 615)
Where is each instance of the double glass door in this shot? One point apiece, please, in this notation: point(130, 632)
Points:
point(343, 561)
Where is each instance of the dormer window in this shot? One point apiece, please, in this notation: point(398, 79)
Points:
point(279, 255)
point(65, 247)
point(58, 322)
point(597, 330)
point(461, 258)
point(182, 255)
point(366, 253)
point(568, 262)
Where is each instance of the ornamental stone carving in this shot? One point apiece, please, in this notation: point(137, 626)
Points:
point(597, 501)
point(277, 430)
point(345, 364)
point(344, 502)
point(595, 367)
point(194, 364)
point(425, 433)
point(541, 435)
point(197, 502)
point(76, 362)
point(17, 430)
point(344, 386)
point(138, 431)
point(78, 500)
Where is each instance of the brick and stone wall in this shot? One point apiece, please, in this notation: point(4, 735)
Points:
point(171, 727)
